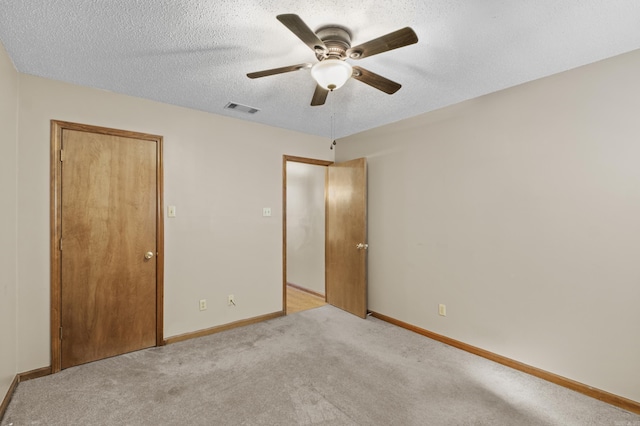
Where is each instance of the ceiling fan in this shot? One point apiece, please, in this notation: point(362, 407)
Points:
point(332, 46)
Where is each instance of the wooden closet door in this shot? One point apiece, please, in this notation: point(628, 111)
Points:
point(108, 245)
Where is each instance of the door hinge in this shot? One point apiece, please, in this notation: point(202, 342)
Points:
point(60, 333)
point(60, 244)
point(61, 155)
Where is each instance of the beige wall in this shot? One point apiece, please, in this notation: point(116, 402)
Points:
point(219, 173)
point(8, 224)
point(305, 225)
point(520, 211)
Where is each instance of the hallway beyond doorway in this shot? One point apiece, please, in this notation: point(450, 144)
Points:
point(300, 300)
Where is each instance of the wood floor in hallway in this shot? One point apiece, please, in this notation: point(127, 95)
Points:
point(299, 300)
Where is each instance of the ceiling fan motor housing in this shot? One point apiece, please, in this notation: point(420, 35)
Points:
point(337, 41)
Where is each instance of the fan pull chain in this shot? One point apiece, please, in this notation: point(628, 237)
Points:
point(333, 143)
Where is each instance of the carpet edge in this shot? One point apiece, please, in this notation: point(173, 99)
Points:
point(220, 328)
point(601, 395)
point(21, 377)
point(7, 397)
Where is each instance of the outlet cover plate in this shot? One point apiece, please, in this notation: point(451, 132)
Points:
point(442, 310)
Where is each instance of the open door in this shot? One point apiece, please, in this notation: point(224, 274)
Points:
point(346, 236)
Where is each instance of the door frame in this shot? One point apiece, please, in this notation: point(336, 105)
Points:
point(294, 159)
point(57, 128)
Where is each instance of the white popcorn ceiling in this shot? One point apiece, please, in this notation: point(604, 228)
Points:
point(196, 53)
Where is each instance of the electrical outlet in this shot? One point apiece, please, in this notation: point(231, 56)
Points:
point(231, 301)
point(203, 304)
point(442, 310)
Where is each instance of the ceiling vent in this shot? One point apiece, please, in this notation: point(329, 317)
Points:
point(243, 108)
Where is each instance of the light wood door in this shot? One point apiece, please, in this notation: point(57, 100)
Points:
point(346, 229)
point(109, 245)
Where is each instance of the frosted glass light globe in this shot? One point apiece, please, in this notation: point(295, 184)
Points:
point(331, 74)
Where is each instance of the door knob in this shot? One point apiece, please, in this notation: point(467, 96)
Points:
point(148, 255)
point(361, 246)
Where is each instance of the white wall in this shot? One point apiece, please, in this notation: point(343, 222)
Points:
point(8, 224)
point(520, 211)
point(305, 225)
point(219, 173)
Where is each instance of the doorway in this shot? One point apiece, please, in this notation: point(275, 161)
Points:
point(343, 264)
point(107, 243)
point(304, 182)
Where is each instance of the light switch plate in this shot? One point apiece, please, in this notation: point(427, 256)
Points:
point(266, 212)
point(171, 211)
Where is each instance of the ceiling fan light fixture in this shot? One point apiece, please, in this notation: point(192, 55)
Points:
point(331, 74)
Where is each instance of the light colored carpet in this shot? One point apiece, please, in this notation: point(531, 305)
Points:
point(318, 367)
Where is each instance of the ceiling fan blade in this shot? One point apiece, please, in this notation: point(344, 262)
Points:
point(304, 33)
point(319, 96)
point(375, 80)
point(281, 70)
point(400, 38)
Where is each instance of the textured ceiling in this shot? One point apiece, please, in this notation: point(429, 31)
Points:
point(196, 53)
